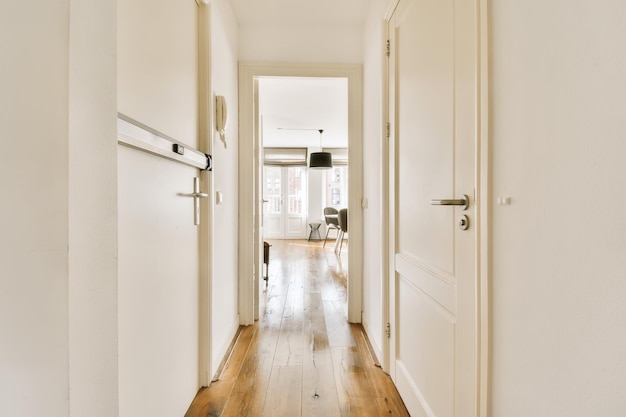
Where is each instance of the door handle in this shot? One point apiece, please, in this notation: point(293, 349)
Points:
point(197, 195)
point(463, 202)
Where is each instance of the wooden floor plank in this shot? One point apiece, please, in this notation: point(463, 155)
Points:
point(250, 388)
point(291, 337)
point(356, 397)
point(391, 407)
point(284, 392)
point(337, 326)
point(235, 361)
point(301, 358)
point(388, 398)
point(319, 391)
point(211, 402)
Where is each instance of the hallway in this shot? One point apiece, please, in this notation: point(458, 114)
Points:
point(301, 358)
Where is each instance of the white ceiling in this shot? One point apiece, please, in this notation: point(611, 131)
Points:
point(296, 12)
point(303, 103)
point(294, 109)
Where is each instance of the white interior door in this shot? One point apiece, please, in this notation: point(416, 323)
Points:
point(285, 191)
point(158, 284)
point(433, 103)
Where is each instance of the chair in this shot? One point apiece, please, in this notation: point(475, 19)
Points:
point(266, 261)
point(332, 221)
point(343, 226)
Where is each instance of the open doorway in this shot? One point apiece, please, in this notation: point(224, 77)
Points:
point(251, 185)
point(301, 116)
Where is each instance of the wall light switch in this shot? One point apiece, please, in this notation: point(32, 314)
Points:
point(219, 198)
point(364, 202)
point(504, 201)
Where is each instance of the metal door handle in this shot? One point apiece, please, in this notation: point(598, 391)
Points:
point(197, 195)
point(463, 202)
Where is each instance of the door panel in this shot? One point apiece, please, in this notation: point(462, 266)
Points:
point(158, 285)
point(296, 202)
point(424, 83)
point(433, 84)
point(285, 212)
point(273, 210)
point(428, 361)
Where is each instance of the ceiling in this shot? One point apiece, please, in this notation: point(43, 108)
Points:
point(297, 12)
point(294, 109)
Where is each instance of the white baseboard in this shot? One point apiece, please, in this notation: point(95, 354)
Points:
point(224, 345)
point(376, 348)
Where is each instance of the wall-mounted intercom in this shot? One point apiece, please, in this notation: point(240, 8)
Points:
point(221, 117)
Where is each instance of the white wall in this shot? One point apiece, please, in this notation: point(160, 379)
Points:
point(34, 182)
point(93, 245)
point(559, 151)
point(225, 321)
point(158, 243)
point(372, 175)
point(57, 291)
point(300, 43)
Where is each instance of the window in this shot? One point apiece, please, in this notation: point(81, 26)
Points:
point(337, 187)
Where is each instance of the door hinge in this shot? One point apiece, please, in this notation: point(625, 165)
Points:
point(388, 47)
point(388, 330)
point(388, 130)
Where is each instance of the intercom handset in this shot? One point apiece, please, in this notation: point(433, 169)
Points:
point(221, 117)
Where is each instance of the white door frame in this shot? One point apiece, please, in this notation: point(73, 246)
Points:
point(250, 197)
point(205, 144)
point(483, 212)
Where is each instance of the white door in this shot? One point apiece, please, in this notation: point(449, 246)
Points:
point(433, 104)
point(284, 189)
point(158, 283)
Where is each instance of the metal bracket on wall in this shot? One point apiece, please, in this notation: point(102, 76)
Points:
point(139, 136)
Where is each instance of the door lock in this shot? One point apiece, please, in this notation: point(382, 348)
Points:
point(463, 222)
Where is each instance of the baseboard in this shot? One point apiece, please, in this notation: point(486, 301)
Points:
point(375, 350)
point(225, 347)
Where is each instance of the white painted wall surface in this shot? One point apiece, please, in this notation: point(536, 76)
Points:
point(58, 323)
point(34, 221)
point(559, 152)
point(373, 221)
point(300, 43)
point(93, 249)
point(224, 316)
point(158, 243)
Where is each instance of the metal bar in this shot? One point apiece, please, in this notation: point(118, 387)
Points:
point(139, 136)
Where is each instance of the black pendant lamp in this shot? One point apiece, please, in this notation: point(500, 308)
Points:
point(321, 160)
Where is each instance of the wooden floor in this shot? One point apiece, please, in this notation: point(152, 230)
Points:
point(302, 358)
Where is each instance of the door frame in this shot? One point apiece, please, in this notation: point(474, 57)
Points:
point(250, 197)
point(482, 151)
point(206, 238)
